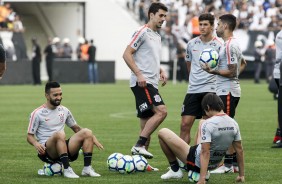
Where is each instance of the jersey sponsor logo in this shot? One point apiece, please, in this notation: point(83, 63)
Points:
point(157, 98)
point(225, 128)
point(204, 138)
point(143, 107)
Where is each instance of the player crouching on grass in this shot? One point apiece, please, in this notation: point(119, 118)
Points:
point(215, 135)
point(46, 134)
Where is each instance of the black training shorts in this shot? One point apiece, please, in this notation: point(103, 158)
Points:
point(145, 99)
point(230, 103)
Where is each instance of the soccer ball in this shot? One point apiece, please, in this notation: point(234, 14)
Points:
point(195, 176)
point(52, 169)
point(126, 164)
point(112, 161)
point(210, 57)
point(140, 163)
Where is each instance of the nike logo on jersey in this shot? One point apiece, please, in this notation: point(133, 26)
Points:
point(195, 50)
point(47, 119)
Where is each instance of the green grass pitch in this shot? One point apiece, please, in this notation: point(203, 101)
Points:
point(108, 109)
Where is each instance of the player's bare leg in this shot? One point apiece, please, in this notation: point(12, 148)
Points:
point(84, 139)
point(185, 128)
point(152, 123)
point(173, 146)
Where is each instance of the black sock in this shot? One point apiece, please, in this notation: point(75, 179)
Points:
point(87, 159)
point(277, 132)
point(65, 160)
point(228, 160)
point(141, 141)
point(174, 166)
point(235, 162)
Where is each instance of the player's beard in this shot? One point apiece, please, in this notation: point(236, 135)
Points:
point(55, 102)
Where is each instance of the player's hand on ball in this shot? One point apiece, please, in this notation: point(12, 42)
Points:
point(240, 179)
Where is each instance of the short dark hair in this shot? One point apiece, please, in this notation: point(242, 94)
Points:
point(230, 20)
point(207, 16)
point(154, 8)
point(51, 84)
point(212, 102)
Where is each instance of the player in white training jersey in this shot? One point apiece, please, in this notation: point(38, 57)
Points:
point(215, 136)
point(277, 76)
point(46, 133)
point(200, 82)
point(231, 64)
point(142, 56)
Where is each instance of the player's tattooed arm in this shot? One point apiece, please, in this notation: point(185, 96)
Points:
point(232, 70)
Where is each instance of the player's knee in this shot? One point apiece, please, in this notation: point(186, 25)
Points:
point(162, 132)
point(86, 132)
point(162, 112)
point(185, 126)
point(60, 135)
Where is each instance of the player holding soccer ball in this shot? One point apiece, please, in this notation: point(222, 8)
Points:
point(200, 82)
point(142, 56)
point(231, 64)
point(46, 134)
point(216, 134)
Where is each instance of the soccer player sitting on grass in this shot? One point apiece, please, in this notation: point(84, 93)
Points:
point(215, 135)
point(46, 134)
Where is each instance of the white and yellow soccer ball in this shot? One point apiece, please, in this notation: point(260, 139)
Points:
point(210, 57)
point(52, 169)
point(140, 162)
point(194, 176)
point(112, 161)
point(126, 164)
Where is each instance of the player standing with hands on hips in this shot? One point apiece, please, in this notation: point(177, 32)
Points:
point(46, 133)
point(231, 64)
point(142, 56)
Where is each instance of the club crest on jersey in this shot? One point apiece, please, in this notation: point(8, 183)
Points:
point(143, 107)
point(61, 117)
point(157, 98)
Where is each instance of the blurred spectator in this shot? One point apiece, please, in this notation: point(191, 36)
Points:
point(57, 47)
point(66, 49)
point(36, 59)
point(84, 51)
point(182, 73)
point(269, 60)
point(142, 14)
point(258, 54)
point(17, 24)
point(92, 64)
point(49, 58)
point(4, 13)
point(81, 41)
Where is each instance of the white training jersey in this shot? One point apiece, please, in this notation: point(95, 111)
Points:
point(147, 56)
point(44, 122)
point(199, 80)
point(220, 131)
point(278, 45)
point(230, 53)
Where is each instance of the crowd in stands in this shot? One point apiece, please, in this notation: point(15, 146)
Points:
point(10, 22)
point(182, 20)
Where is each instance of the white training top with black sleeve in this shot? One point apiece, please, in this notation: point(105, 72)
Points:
point(44, 122)
point(200, 81)
point(278, 45)
point(220, 131)
point(230, 53)
point(147, 56)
